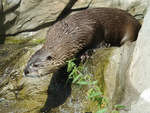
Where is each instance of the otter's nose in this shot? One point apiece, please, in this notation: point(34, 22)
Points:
point(26, 71)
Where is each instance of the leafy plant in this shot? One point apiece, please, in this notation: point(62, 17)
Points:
point(94, 93)
point(76, 75)
point(104, 110)
point(118, 106)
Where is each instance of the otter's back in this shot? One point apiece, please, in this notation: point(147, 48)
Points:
point(88, 27)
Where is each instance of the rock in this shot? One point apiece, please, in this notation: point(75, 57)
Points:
point(13, 86)
point(17, 91)
point(1, 6)
point(33, 13)
point(10, 4)
point(28, 38)
point(139, 69)
point(110, 68)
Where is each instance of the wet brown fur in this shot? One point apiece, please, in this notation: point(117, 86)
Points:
point(85, 30)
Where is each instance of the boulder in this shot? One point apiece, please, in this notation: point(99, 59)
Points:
point(139, 69)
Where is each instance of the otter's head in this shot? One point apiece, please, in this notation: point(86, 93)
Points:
point(41, 63)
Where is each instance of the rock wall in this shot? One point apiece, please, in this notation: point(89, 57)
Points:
point(139, 69)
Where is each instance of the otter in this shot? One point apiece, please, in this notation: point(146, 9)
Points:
point(79, 32)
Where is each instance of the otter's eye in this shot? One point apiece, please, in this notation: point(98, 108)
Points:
point(35, 65)
point(49, 58)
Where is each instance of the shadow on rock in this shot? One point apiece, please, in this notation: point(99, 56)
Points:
point(58, 90)
point(5, 26)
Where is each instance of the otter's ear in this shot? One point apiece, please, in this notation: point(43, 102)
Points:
point(48, 58)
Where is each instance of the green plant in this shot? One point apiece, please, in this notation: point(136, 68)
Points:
point(118, 107)
point(94, 93)
point(76, 75)
point(103, 110)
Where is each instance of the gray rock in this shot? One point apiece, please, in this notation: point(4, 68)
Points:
point(10, 4)
point(1, 6)
point(33, 13)
point(139, 70)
